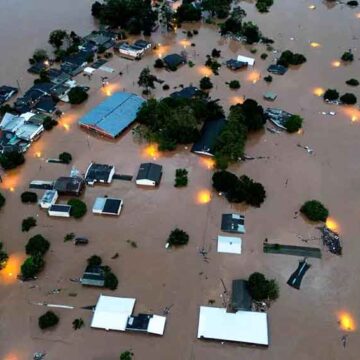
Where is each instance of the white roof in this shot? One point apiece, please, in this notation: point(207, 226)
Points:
point(250, 61)
point(157, 325)
point(243, 326)
point(99, 205)
point(229, 244)
point(89, 70)
point(111, 313)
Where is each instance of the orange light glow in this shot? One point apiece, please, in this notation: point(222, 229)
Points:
point(253, 76)
point(66, 126)
point(9, 274)
point(336, 63)
point(38, 154)
point(162, 50)
point(358, 15)
point(236, 100)
point(204, 71)
point(11, 357)
point(208, 163)
point(346, 321)
point(318, 91)
point(151, 151)
point(185, 43)
point(314, 44)
point(109, 89)
point(300, 131)
point(352, 112)
point(11, 180)
point(203, 197)
point(332, 224)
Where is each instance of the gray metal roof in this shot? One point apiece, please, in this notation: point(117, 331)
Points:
point(240, 296)
point(150, 171)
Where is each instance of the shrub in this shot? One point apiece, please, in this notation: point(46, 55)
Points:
point(159, 64)
point(28, 223)
point(11, 160)
point(77, 95)
point(37, 245)
point(65, 157)
point(331, 95)
point(347, 56)
point(111, 281)
point(215, 53)
point(262, 289)
point(352, 82)
point(3, 257)
point(268, 78)
point(78, 208)
point(29, 197)
point(178, 237)
point(2, 200)
point(234, 84)
point(263, 56)
point(314, 210)
point(69, 237)
point(78, 323)
point(49, 123)
point(352, 3)
point(47, 320)
point(31, 267)
point(166, 87)
point(263, 5)
point(287, 58)
point(348, 99)
point(189, 34)
point(126, 355)
point(94, 260)
point(205, 83)
point(293, 123)
point(181, 177)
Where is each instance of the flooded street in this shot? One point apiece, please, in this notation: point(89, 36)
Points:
point(303, 324)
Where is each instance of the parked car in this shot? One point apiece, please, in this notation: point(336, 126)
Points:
point(81, 241)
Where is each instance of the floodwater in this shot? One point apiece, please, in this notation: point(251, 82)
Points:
point(306, 324)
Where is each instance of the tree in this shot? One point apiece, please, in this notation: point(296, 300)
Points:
point(262, 289)
point(268, 78)
point(234, 84)
point(65, 157)
point(352, 82)
point(78, 323)
point(126, 355)
point(187, 12)
point(2, 200)
point(96, 9)
point(47, 320)
point(263, 5)
point(166, 15)
point(3, 257)
point(181, 177)
point(178, 237)
point(40, 55)
point(78, 208)
point(287, 58)
point(293, 123)
point(251, 32)
point(215, 53)
point(348, 99)
point(314, 210)
point(347, 56)
point(57, 37)
point(331, 95)
point(224, 181)
point(234, 23)
point(49, 123)
point(159, 64)
point(32, 266)
point(29, 197)
point(11, 160)
point(94, 260)
point(253, 114)
point(205, 83)
point(28, 223)
point(220, 8)
point(37, 245)
point(111, 281)
point(77, 95)
point(146, 79)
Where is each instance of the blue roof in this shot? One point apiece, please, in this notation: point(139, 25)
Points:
point(113, 115)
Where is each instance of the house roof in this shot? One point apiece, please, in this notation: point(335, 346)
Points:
point(250, 61)
point(112, 313)
point(150, 171)
point(229, 244)
point(60, 208)
point(174, 60)
point(149, 323)
point(243, 326)
point(113, 115)
point(69, 184)
point(188, 92)
point(142, 43)
point(240, 296)
point(208, 136)
point(269, 95)
point(99, 172)
point(6, 92)
point(234, 223)
point(93, 276)
point(107, 206)
point(235, 64)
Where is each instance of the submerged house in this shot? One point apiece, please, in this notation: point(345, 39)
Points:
point(240, 296)
point(99, 173)
point(277, 69)
point(173, 61)
point(129, 51)
point(93, 276)
point(277, 116)
point(114, 115)
point(67, 185)
point(6, 93)
point(189, 92)
point(245, 59)
point(208, 137)
point(233, 223)
point(107, 206)
point(233, 64)
point(149, 174)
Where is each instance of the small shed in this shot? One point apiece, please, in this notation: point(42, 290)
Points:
point(240, 296)
point(270, 96)
point(93, 276)
point(228, 244)
point(149, 174)
point(59, 210)
point(48, 199)
point(245, 59)
point(107, 206)
point(233, 223)
point(233, 64)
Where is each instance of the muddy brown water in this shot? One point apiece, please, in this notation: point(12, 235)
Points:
point(302, 324)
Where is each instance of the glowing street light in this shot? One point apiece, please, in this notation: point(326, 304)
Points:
point(314, 44)
point(336, 63)
point(346, 321)
point(203, 197)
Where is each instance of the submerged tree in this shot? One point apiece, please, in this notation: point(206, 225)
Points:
point(147, 80)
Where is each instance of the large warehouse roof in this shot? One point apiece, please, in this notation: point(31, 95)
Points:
point(114, 115)
point(243, 326)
